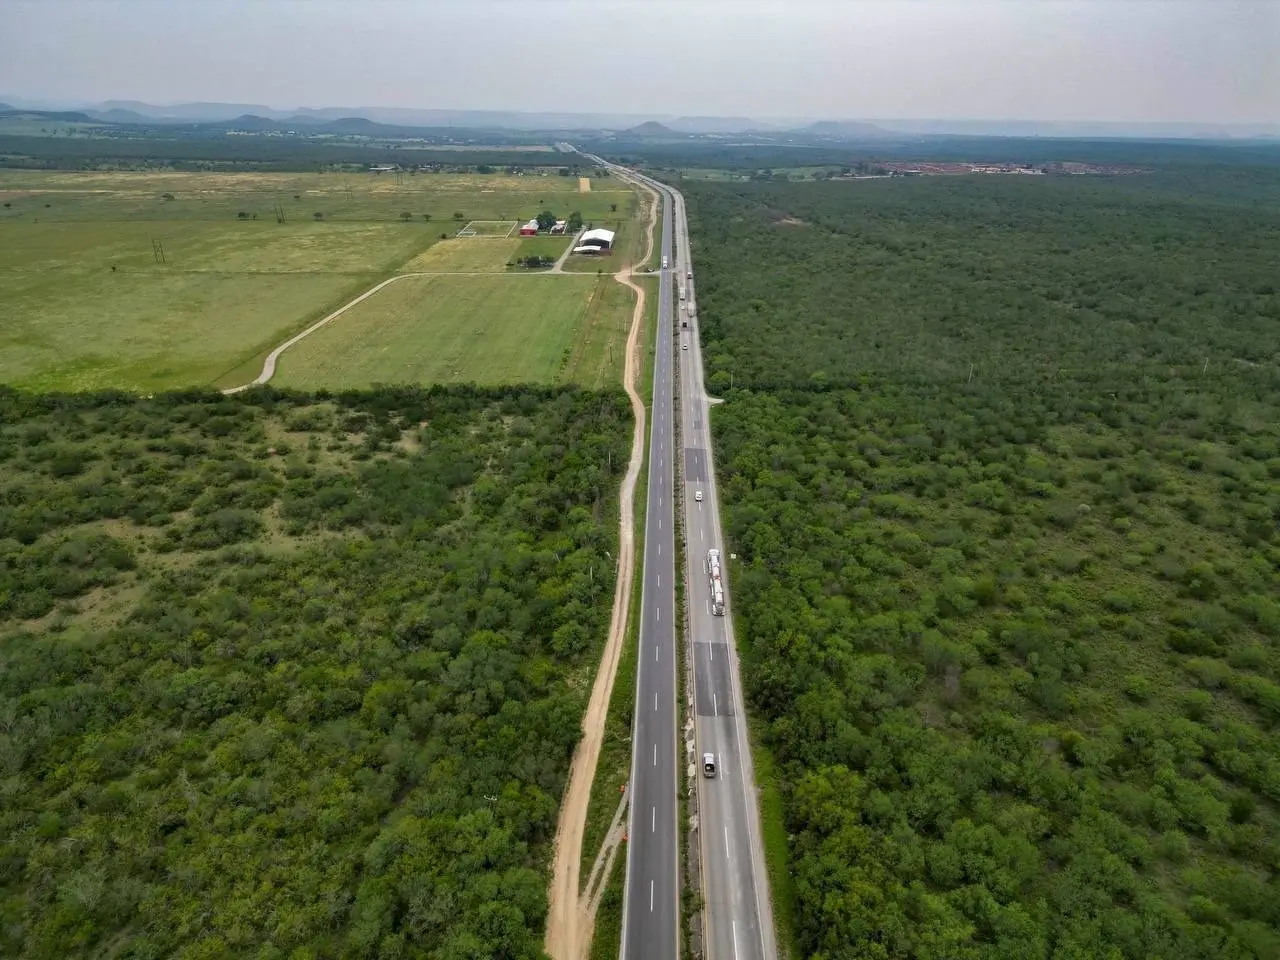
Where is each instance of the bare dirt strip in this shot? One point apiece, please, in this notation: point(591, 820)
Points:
point(570, 916)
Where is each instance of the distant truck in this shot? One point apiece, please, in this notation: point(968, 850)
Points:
point(664, 263)
point(689, 275)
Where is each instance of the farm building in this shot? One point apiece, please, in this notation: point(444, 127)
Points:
point(530, 229)
point(595, 241)
point(559, 226)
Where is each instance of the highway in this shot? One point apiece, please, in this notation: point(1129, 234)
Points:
point(737, 915)
point(651, 905)
point(738, 919)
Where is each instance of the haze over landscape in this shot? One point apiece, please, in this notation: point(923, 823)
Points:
point(1179, 67)
point(618, 480)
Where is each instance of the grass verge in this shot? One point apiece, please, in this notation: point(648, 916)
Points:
point(773, 829)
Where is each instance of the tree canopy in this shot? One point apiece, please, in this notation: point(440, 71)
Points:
point(1001, 466)
point(284, 675)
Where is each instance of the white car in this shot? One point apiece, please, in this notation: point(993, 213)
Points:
point(698, 496)
point(708, 765)
point(684, 346)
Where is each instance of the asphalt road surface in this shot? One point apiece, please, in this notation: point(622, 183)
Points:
point(651, 905)
point(738, 920)
point(737, 916)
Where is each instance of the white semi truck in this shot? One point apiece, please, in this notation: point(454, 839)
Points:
point(715, 583)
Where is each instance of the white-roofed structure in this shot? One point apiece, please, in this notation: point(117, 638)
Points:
point(598, 240)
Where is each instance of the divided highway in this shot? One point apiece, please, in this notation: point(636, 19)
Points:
point(737, 916)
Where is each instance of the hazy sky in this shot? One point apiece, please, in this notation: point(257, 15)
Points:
point(1203, 60)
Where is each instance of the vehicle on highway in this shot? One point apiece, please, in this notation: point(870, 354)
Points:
point(689, 275)
point(715, 583)
point(684, 346)
point(698, 496)
point(664, 263)
point(708, 765)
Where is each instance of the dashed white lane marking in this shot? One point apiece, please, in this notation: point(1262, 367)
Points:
point(711, 650)
point(715, 706)
point(657, 612)
point(655, 763)
point(655, 703)
point(653, 820)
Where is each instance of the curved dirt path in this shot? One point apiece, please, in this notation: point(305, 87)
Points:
point(570, 919)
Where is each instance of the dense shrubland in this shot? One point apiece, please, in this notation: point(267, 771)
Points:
point(293, 675)
point(1013, 628)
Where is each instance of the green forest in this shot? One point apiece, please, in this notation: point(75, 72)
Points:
point(1001, 465)
point(290, 675)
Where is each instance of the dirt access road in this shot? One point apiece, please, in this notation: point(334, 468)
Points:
point(571, 917)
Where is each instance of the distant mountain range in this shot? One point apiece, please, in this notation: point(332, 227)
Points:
point(382, 119)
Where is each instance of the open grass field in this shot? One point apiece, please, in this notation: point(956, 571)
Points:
point(489, 228)
point(87, 305)
point(502, 329)
point(116, 195)
point(463, 255)
point(542, 246)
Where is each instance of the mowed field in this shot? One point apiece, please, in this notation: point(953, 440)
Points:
point(454, 329)
point(89, 304)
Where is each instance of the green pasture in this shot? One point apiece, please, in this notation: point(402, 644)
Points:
point(541, 247)
point(150, 281)
point(500, 329)
point(88, 306)
point(134, 195)
point(463, 255)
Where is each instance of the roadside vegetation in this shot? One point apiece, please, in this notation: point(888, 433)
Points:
point(286, 674)
point(1001, 465)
